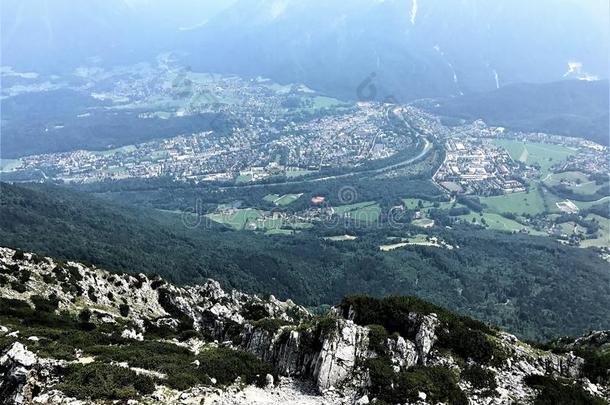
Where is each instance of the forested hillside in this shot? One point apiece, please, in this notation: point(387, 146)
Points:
point(572, 108)
point(532, 286)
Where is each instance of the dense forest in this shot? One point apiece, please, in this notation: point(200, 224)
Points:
point(532, 286)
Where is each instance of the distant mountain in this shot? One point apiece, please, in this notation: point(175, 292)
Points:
point(414, 48)
point(572, 108)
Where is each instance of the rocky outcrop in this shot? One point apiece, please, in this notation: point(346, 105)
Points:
point(341, 349)
point(16, 365)
point(320, 360)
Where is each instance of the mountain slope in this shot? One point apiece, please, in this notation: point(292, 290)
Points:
point(410, 45)
point(57, 320)
point(572, 108)
point(532, 286)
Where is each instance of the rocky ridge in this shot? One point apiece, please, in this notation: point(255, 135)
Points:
point(332, 359)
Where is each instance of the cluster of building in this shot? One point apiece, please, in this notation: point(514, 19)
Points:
point(474, 166)
point(590, 160)
point(257, 141)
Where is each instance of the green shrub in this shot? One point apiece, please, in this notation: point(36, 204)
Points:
point(102, 381)
point(378, 337)
point(18, 286)
point(44, 304)
point(271, 325)
point(464, 336)
point(15, 308)
point(255, 312)
point(189, 334)
point(597, 364)
point(560, 392)
point(480, 378)
point(471, 344)
point(24, 276)
point(226, 365)
point(327, 324)
point(438, 383)
point(91, 294)
point(48, 279)
point(124, 310)
point(85, 315)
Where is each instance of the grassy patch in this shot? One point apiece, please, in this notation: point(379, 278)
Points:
point(544, 155)
point(362, 212)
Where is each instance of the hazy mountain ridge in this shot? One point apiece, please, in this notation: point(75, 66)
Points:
point(331, 46)
point(167, 342)
point(571, 108)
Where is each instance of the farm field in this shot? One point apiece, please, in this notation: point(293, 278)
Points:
point(578, 182)
point(7, 165)
point(531, 203)
point(412, 203)
point(498, 222)
point(603, 235)
point(543, 154)
point(364, 211)
point(423, 223)
point(587, 204)
point(282, 200)
point(238, 219)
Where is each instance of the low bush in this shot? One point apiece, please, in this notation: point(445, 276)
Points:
point(103, 381)
point(378, 337)
point(255, 312)
point(271, 325)
point(438, 383)
point(464, 336)
point(480, 378)
point(553, 391)
point(124, 310)
point(226, 365)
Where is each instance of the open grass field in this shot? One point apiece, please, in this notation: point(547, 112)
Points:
point(239, 219)
point(298, 173)
point(415, 240)
point(498, 222)
point(544, 154)
point(282, 200)
point(110, 152)
point(413, 203)
point(584, 204)
point(9, 165)
point(364, 212)
point(531, 203)
point(603, 235)
point(423, 223)
point(578, 182)
point(341, 238)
